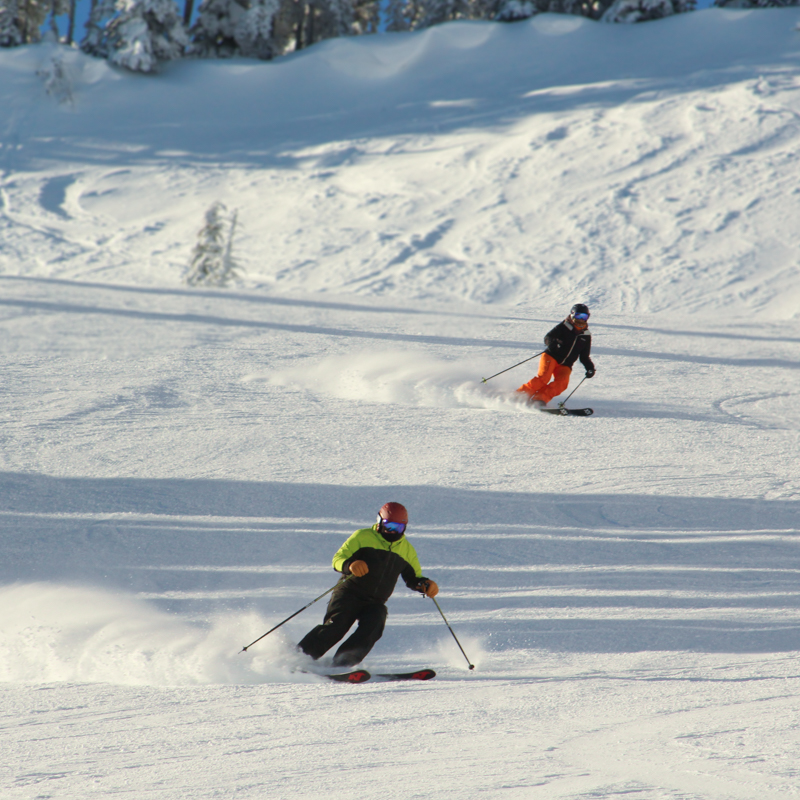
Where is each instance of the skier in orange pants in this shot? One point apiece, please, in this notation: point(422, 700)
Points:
point(540, 389)
point(569, 341)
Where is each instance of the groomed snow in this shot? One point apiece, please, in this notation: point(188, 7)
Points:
point(179, 464)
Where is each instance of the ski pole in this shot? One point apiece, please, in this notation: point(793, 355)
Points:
point(483, 380)
point(291, 617)
point(561, 405)
point(471, 666)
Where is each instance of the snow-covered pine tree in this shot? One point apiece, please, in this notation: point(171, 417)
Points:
point(21, 21)
point(513, 10)
point(366, 16)
point(756, 3)
point(290, 26)
point(10, 33)
point(404, 15)
point(438, 11)
point(95, 41)
point(254, 30)
point(644, 10)
point(57, 8)
point(212, 261)
point(301, 23)
point(327, 19)
point(57, 80)
point(269, 28)
point(213, 34)
point(136, 34)
point(409, 15)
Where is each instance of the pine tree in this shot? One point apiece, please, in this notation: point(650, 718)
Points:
point(756, 3)
point(57, 80)
point(136, 34)
point(331, 18)
point(410, 15)
point(366, 15)
point(10, 32)
point(226, 28)
point(300, 23)
point(58, 8)
point(212, 261)
point(269, 28)
point(438, 11)
point(253, 32)
point(213, 34)
point(513, 10)
point(404, 15)
point(644, 10)
point(21, 21)
point(95, 41)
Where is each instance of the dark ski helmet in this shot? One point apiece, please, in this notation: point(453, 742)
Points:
point(579, 308)
point(392, 521)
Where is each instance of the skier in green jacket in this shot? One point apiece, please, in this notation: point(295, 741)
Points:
point(371, 561)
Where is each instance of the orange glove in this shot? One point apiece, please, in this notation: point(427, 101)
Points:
point(359, 569)
point(429, 588)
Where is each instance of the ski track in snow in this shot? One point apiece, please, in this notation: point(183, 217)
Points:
point(399, 377)
point(178, 465)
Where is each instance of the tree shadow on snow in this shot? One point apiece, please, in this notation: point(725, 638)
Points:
point(93, 306)
point(256, 299)
point(588, 573)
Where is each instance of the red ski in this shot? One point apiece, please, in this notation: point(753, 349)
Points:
point(417, 675)
point(356, 676)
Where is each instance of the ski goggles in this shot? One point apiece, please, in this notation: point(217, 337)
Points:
point(393, 527)
point(582, 316)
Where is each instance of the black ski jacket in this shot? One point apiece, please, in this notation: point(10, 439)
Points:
point(566, 344)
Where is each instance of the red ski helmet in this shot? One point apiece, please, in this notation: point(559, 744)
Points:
point(393, 512)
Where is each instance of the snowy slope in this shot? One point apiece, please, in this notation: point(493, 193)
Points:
point(646, 167)
point(178, 465)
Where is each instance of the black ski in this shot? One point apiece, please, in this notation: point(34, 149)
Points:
point(569, 412)
point(417, 675)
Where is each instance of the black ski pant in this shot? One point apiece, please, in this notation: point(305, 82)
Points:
point(343, 610)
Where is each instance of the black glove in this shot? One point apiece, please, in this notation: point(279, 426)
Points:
point(427, 587)
point(590, 372)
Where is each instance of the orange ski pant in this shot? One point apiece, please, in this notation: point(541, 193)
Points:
point(540, 387)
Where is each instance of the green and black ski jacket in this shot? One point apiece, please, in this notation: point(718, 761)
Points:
point(387, 561)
